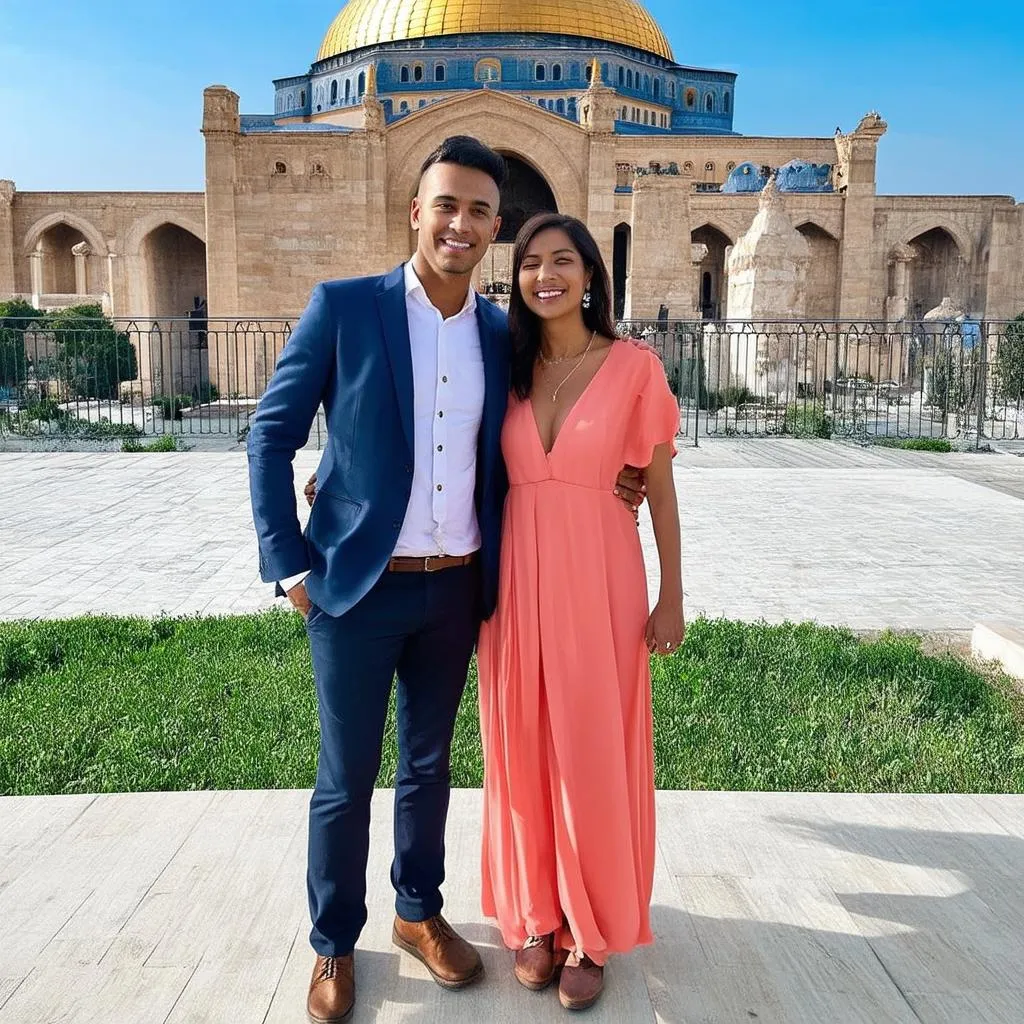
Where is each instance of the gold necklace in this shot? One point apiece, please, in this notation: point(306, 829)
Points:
point(579, 363)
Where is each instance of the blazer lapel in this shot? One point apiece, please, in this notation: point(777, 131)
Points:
point(495, 388)
point(395, 318)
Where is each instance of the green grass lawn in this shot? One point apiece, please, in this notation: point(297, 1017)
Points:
point(107, 705)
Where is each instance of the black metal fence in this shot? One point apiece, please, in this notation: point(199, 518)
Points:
point(68, 376)
point(947, 379)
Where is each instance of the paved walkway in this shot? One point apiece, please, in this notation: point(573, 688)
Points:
point(773, 530)
point(774, 908)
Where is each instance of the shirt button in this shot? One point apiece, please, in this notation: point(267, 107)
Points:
point(444, 380)
point(440, 447)
point(440, 415)
point(440, 487)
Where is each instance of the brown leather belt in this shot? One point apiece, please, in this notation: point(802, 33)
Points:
point(431, 563)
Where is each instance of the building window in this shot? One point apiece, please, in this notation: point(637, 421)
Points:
point(540, 72)
point(488, 70)
point(348, 90)
point(727, 103)
point(657, 89)
point(334, 92)
point(302, 98)
point(625, 113)
point(647, 117)
point(362, 84)
point(647, 83)
point(730, 167)
point(709, 103)
point(622, 77)
point(439, 73)
point(571, 110)
point(556, 72)
point(423, 103)
point(671, 90)
point(417, 73)
point(629, 79)
point(403, 107)
point(560, 106)
point(280, 167)
point(691, 99)
point(317, 170)
point(404, 73)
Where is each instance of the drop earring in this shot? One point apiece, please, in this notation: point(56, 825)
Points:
point(586, 299)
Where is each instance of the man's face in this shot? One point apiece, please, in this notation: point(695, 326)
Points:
point(456, 215)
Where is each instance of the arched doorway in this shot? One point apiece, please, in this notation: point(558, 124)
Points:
point(525, 194)
point(822, 302)
point(621, 256)
point(711, 274)
point(937, 271)
point(64, 264)
point(174, 262)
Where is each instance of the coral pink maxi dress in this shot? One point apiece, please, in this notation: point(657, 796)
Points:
point(565, 704)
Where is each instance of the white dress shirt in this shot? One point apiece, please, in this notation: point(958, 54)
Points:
point(448, 402)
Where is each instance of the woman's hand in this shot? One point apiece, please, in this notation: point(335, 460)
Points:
point(666, 628)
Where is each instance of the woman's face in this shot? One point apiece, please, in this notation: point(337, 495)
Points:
point(552, 276)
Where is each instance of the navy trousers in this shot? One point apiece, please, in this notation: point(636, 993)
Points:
point(422, 626)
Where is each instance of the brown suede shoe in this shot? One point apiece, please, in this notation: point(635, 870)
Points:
point(581, 985)
point(332, 992)
point(538, 962)
point(452, 961)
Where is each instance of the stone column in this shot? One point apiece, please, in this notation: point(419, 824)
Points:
point(860, 287)
point(897, 305)
point(221, 130)
point(7, 282)
point(597, 116)
point(376, 208)
point(81, 252)
point(1004, 281)
point(663, 272)
point(35, 267)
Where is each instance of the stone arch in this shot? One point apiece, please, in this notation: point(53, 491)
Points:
point(526, 193)
point(938, 270)
point(139, 299)
point(712, 271)
point(926, 224)
point(622, 258)
point(821, 301)
point(88, 231)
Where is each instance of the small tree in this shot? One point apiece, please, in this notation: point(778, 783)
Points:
point(15, 316)
point(93, 358)
point(1010, 361)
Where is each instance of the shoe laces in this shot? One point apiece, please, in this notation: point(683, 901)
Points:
point(328, 969)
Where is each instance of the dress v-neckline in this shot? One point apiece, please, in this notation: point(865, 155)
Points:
point(572, 409)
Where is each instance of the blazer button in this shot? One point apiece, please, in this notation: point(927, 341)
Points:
point(408, 470)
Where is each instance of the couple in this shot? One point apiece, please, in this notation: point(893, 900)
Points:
point(475, 492)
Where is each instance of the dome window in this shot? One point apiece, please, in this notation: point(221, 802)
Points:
point(334, 93)
point(541, 72)
point(417, 73)
point(440, 72)
point(403, 75)
point(488, 70)
point(691, 99)
point(556, 72)
point(727, 103)
point(709, 103)
point(622, 77)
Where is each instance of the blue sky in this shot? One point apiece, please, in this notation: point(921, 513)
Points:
point(107, 94)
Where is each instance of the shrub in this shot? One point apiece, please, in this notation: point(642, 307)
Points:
point(1010, 361)
point(807, 420)
point(167, 443)
point(93, 358)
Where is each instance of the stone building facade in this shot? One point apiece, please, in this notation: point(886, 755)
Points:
point(596, 119)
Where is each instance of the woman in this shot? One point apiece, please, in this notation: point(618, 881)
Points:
point(565, 705)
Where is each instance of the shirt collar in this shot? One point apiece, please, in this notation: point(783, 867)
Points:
point(414, 289)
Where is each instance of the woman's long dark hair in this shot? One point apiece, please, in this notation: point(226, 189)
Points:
point(524, 325)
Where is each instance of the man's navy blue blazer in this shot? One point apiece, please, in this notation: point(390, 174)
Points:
point(351, 352)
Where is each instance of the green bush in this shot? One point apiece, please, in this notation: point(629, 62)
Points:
point(1010, 361)
point(167, 443)
point(807, 420)
point(171, 406)
point(915, 444)
point(14, 317)
point(93, 358)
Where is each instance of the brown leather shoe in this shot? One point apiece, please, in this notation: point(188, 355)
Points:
point(453, 963)
point(538, 962)
point(332, 992)
point(581, 985)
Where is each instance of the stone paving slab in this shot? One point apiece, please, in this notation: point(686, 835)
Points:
point(771, 530)
point(777, 908)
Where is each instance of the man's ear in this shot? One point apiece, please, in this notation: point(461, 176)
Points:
point(497, 228)
point(414, 213)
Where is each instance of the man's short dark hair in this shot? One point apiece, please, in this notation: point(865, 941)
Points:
point(466, 151)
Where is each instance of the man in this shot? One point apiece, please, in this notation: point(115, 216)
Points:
point(399, 562)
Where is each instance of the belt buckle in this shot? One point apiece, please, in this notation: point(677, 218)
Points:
point(426, 563)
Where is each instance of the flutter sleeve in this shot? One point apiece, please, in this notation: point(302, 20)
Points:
point(655, 417)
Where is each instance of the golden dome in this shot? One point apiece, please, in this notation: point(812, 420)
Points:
point(368, 22)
